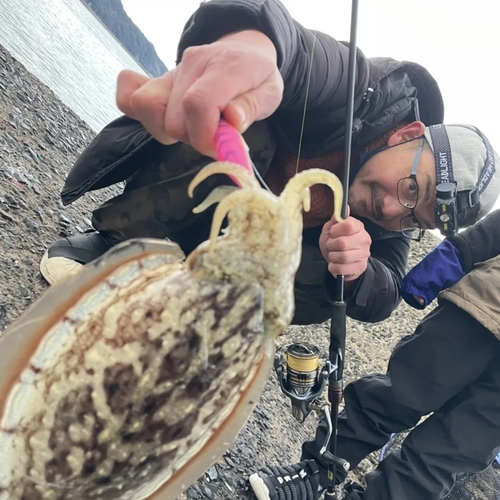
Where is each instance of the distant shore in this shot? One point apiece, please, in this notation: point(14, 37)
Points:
point(40, 139)
point(99, 20)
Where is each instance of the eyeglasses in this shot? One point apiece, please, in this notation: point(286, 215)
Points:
point(407, 192)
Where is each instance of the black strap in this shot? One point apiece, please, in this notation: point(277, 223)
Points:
point(442, 153)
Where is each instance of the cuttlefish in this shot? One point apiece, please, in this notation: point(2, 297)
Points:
point(131, 378)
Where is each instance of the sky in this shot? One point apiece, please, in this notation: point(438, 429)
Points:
point(460, 46)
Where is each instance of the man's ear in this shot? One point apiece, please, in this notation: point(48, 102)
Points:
point(410, 131)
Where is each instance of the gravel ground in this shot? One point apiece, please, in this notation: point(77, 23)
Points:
point(40, 139)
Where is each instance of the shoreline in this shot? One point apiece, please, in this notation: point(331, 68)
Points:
point(98, 19)
point(40, 138)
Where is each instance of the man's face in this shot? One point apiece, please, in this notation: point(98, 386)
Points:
point(374, 192)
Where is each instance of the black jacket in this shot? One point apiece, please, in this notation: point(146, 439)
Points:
point(384, 95)
point(394, 84)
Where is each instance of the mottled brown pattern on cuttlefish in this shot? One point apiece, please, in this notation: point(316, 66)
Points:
point(145, 374)
point(111, 434)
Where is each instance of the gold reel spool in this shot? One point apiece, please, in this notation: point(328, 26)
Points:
point(302, 371)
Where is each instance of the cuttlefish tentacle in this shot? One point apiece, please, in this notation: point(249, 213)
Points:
point(216, 196)
point(293, 195)
point(306, 200)
point(245, 179)
point(238, 198)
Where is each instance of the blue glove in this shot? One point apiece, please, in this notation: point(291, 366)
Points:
point(439, 270)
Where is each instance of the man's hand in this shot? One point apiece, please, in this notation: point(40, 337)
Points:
point(236, 76)
point(346, 247)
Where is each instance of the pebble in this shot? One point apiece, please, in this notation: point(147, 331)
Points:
point(193, 492)
point(64, 220)
point(20, 177)
point(31, 225)
point(212, 473)
point(6, 216)
point(11, 201)
point(210, 491)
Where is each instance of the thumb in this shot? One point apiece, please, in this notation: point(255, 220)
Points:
point(256, 104)
point(328, 225)
point(127, 83)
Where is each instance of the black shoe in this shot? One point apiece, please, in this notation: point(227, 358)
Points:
point(68, 255)
point(300, 481)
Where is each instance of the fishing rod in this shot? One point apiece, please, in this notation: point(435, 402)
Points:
point(298, 371)
point(339, 317)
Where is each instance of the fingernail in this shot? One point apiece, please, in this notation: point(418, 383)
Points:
point(243, 119)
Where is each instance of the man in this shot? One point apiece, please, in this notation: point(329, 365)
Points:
point(284, 87)
point(449, 368)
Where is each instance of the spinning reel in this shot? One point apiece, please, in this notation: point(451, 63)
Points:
point(300, 378)
point(302, 381)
